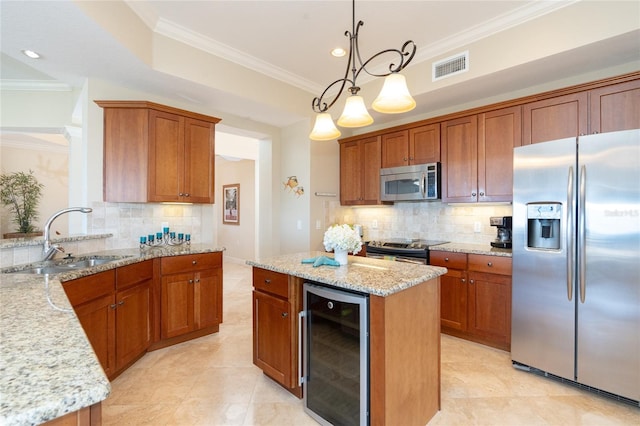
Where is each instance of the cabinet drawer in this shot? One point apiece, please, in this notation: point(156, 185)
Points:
point(190, 262)
point(129, 275)
point(448, 259)
point(271, 282)
point(91, 287)
point(490, 264)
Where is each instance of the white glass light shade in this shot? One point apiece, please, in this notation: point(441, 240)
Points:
point(324, 129)
point(394, 97)
point(355, 114)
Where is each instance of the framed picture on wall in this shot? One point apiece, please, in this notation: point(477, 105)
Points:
point(231, 204)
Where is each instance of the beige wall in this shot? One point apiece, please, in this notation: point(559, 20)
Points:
point(239, 240)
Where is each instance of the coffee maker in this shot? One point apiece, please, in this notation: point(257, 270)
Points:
point(503, 239)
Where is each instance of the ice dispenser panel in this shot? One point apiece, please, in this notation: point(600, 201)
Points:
point(544, 225)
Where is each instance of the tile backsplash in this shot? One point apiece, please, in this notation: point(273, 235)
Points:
point(422, 220)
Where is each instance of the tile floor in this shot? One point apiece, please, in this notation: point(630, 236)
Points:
point(212, 381)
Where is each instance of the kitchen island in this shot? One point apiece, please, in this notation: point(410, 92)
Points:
point(404, 328)
point(48, 367)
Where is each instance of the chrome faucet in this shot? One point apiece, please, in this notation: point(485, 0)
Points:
point(49, 250)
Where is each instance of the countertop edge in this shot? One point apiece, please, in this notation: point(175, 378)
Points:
point(469, 248)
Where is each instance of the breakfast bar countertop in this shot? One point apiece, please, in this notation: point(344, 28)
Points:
point(366, 275)
point(47, 366)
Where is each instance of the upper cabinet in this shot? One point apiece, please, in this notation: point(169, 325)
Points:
point(155, 153)
point(360, 171)
point(609, 108)
point(477, 156)
point(418, 145)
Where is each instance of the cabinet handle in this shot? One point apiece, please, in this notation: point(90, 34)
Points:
point(267, 281)
point(120, 303)
point(113, 306)
point(471, 281)
point(489, 264)
point(285, 314)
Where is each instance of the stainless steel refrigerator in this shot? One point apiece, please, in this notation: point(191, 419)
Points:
point(576, 260)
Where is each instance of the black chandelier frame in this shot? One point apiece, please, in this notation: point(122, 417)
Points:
point(405, 54)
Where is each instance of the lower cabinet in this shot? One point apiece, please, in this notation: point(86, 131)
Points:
point(276, 302)
point(114, 310)
point(475, 298)
point(191, 296)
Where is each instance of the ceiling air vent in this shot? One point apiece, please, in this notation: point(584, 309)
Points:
point(451, 66)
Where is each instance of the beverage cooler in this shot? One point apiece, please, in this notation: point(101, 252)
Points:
point(336, 355)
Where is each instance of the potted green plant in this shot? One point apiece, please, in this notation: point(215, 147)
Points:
point(21, 193)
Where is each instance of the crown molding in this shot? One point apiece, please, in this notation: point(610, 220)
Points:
point(35, 86)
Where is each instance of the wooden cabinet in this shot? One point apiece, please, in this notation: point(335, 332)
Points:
point(276, 302)
point(114, 310)
point(155, 153)
point(360, 171)
point(418, 145)
point(191, 296)
point(476, 297)
point(477, 156)
point(605, 109)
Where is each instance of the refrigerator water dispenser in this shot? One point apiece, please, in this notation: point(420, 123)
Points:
point(544, 225)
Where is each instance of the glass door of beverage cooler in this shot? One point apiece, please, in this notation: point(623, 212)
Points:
point(336, 353)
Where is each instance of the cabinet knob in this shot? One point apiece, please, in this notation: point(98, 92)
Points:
point(471, 281)
point(190, 281)
point(267, 281)
point(187, 194)
point(120, 303)
point(462, 280)
point(285, 314)
point(180, 194)
point(446, 259)
point(473, 194)
point(113, 306)
point(197, 280)
point(194, 262)
point(405, 158)
point(489, 264)
point(482, 194)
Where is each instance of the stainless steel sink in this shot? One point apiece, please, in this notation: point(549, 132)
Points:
point(66, 265)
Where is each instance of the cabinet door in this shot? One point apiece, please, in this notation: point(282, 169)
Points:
point(424, 144)
point(614, 108)
point(498, 133)
point(453, 300)
point(199, 158)
point(460, 160)
point(177, 305)
point(133, 326)
point(97, 318)
point(350, 173)
point(207, 298)
point(490, 307)
point(272, 337)
point(555, 118)
point(395, 149)
point(166, 156)
point(370, 170)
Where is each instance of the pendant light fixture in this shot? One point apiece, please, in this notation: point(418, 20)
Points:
point(393, 98)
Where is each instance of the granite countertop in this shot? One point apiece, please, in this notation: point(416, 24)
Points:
point(47, 365)
point(485, 249)
point(366, 275)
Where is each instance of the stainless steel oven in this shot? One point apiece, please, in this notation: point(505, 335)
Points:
point(402, 250)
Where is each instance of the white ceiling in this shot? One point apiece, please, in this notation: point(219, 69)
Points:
point(287, 40)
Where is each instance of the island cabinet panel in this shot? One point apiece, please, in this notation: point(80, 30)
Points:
point(360, 171)
point(156, 153)
point(190, 297)
point(405, 356)
point(88, 416)
point(276, 303)
point(476, 297)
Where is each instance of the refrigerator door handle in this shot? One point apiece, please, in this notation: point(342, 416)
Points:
point(582, 264)
point(569, 233)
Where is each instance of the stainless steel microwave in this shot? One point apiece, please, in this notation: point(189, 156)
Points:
point(410, 183)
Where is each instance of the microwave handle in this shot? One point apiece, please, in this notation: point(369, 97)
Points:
point(423, 185)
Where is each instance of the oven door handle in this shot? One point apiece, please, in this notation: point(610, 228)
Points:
point(396, 258)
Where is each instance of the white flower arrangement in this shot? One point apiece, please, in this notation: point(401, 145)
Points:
point(342, 237)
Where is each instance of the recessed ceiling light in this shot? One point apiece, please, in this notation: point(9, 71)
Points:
point(338, 52)
point(31, 54)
